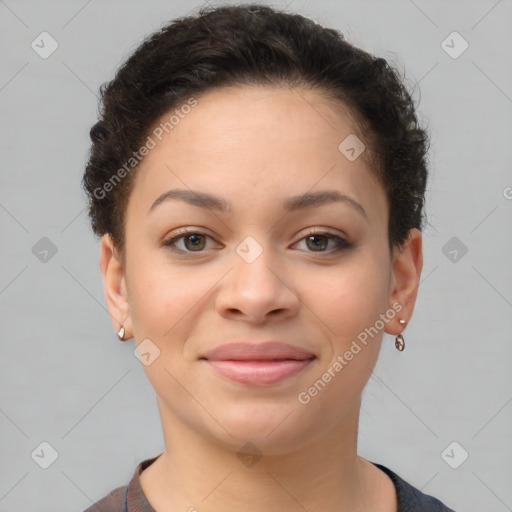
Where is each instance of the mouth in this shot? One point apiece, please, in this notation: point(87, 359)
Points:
point(259, 373)
point(261, 364)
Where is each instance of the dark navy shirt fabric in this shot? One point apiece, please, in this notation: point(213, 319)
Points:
point(130, 498)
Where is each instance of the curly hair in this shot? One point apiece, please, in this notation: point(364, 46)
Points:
point(253, 44)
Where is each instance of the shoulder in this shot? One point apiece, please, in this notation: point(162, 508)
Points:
point(114, 501)
point(127, 498)
point(411, 499)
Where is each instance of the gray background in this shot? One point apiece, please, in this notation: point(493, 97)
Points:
point(66, 380)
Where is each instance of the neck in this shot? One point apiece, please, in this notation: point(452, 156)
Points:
point(196, 473)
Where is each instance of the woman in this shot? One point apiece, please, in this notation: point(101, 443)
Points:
point(258, 185)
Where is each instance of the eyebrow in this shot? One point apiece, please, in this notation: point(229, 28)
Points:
point(307, 200)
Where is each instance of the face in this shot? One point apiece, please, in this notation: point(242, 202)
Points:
point(267, 267)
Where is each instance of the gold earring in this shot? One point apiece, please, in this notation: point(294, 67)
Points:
point(399, 340)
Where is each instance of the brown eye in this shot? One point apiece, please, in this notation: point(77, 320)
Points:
point(192, 241)
point(195, 241)
point(316, 241)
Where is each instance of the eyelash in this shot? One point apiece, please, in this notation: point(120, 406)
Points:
point(342, 243)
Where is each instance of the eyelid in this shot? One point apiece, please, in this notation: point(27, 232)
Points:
point(315, 230)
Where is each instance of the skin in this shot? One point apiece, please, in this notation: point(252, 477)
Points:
point(255, 146)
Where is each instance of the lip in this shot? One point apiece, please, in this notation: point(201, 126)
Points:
point(259, 373)
point(258, 364)
point(261, 351)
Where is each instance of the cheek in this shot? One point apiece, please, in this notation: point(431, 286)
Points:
point(161, 294)
point(165, 297)
point(349, 305)
point(351, 299)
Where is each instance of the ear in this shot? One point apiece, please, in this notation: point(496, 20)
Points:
point(115, 286)
point(405, 279)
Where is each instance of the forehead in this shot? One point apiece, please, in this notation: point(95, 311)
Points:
point(254, 143)
point(296, 113)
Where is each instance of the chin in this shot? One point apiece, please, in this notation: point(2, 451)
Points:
point(274, 429)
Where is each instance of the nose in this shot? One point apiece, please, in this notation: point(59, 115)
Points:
point(257, 288)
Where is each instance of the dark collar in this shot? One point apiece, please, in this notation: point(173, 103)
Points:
point(409, 498)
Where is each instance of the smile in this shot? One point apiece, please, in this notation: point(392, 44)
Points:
point(259, 372)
